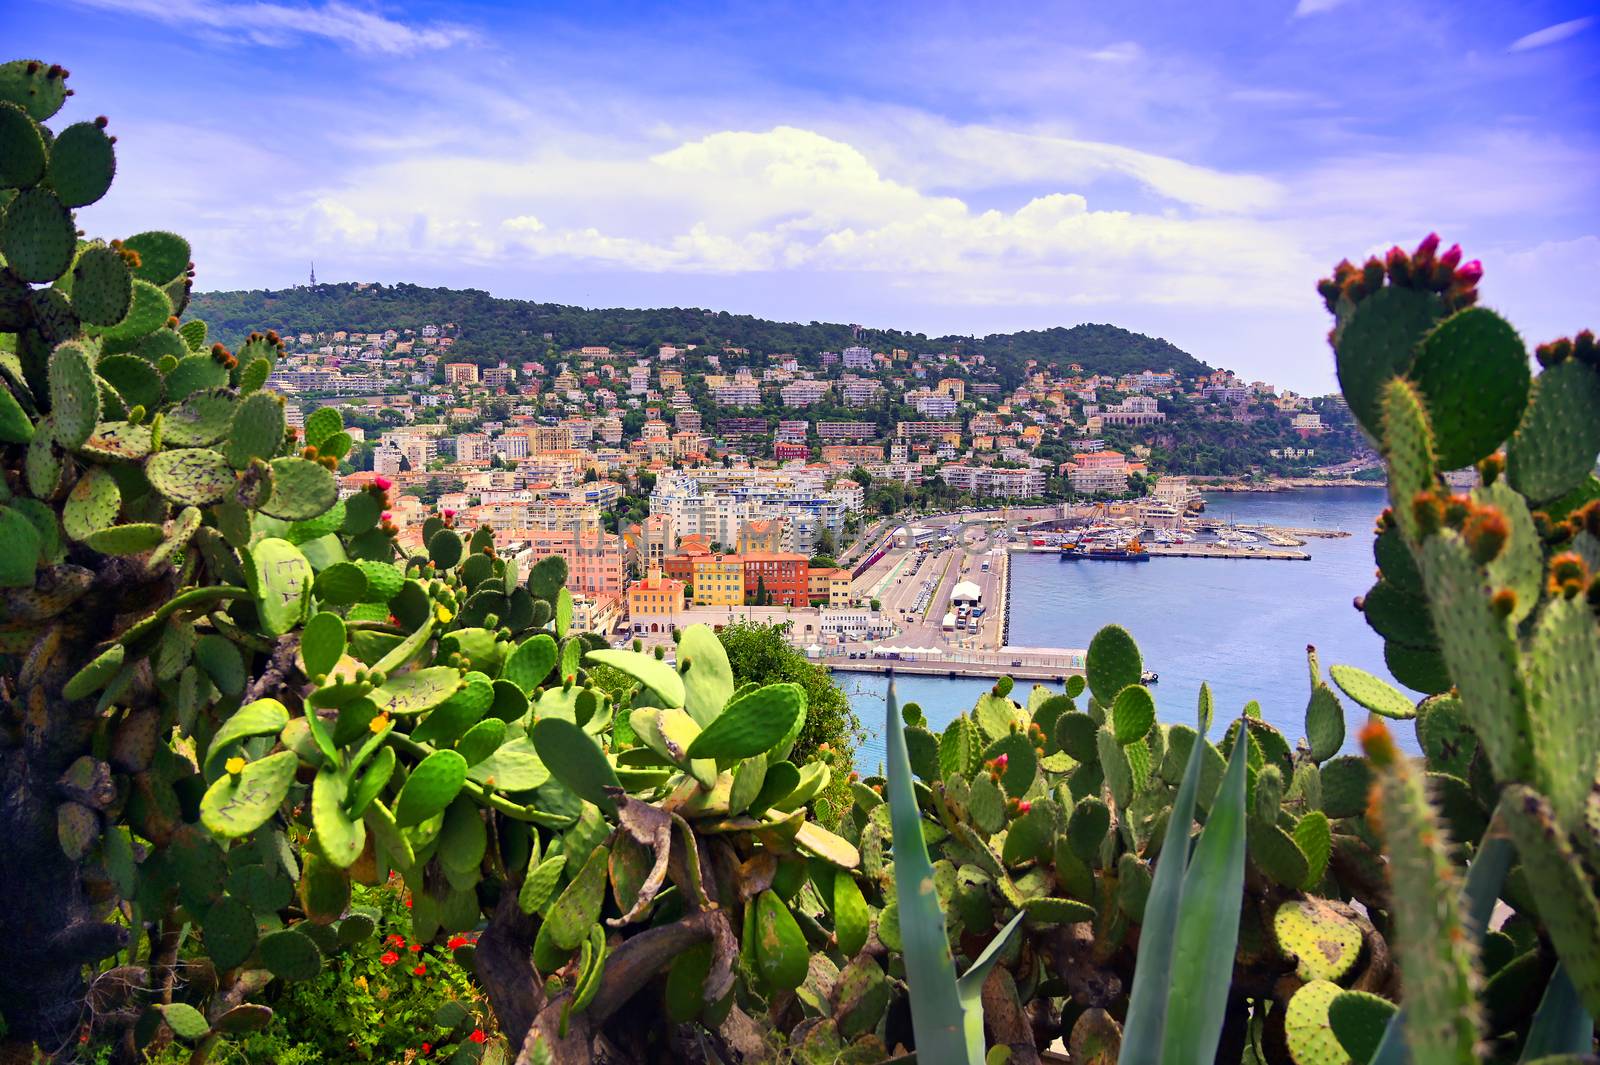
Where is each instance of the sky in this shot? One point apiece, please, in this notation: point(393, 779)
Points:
point(1184, 170)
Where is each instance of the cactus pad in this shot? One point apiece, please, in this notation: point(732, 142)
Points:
point(1345, 783)
point(1372, 692)
point(1325, 942)
point(1113, 663)
point(22, 151)
point(708, 680)
point(529, 665)
point(82, 164)
point(162, 257)
point(229, 932)
point(301, 490)
point(290, 955)
point(1313, 835)
point(577, 909)
point(236, 805)
point(1378, 341)
point(92, 504)
point(751, 724)
point(37, 235)
point(1133, 711)
point(256, 430)
point(74, 395)
point(433, 784)
point(647, 670)
point(1359, 1020)
point(193, 476)
point(1116, 766)
point(782, 956)
point(102, 288)
point(1553, 449)
point(1306, 1027)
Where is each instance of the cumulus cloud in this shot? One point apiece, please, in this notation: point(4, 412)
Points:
point(278, 24)
point(1552, 34)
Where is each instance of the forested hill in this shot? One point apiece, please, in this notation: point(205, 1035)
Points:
point(492, 328)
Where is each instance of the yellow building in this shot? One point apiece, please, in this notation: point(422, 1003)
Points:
point(654, 602)
point(718, 580)
point(831, 586)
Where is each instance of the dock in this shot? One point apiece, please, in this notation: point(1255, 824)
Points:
point(1225, 551)
point(951, 668)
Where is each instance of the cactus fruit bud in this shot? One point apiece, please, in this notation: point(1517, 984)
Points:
point(1584, 348)
point(382, 484)
point(1379, 745)
point(1451, 258)
point(1001, 761)
point(1456, 511)
point(1504, 603)
point(1490, 467)
point(1372, 274)
point(1469, 274)
point(1568, 574)
point(234, 765)
point(1553, 353)
point(1423, 257)
point(661, 652)
point(1024, 806)
point(1486, 534)
point(308, 453)
point(1398, 264)
point(1428, 511)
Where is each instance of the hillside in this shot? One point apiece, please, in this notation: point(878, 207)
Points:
point(492, 328)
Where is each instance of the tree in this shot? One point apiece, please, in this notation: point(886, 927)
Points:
point(825, 543)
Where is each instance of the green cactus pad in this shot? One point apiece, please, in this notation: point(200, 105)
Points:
point(432, 786)
point(344, 583)
point(135, 380)
point(339, 837)
point(1310, 1037)
point(782, 956)
point(1324, 941)
point(102, 288)
point(577, 909)
point(1022, 763)
point(301, 490)
point(96, 675)
point(1407, 443)
point(36, 87)
point(1313, 835)
point(1047, 911)
point(82, 164)
point(92, 504)
point(194, 373)
point(1276, 854)
point(539, 886)
point(22, 148)
point(862, 994)
point(229, 933)
point(192, 476)
point(1398, 616)
point(1561, 889)
point(958, 748)
point(573, 758)
point(751, 724)
point(529, 665)
point(1114, 763)
point(1445, 736)
point(852, 919)
point(1359, 1020)
point(654, 674)
point(463, 839)
point(200, 420)
point(162, 257)
point(1554, 446)
point(1453, 361)
point(1345, 784)
point(445, 548)
point(1422, 670)
point(132, 539)
point(236, 805)
point(708, 680)
point(1378, 341)
point(1075, 734)
point(321, 424)
point(280, 578)
point(256, 430)
point(547, 577)
point(1372, 692)
point(1113, 663)
point(411, 693)
point(995, 715)
point(1087, 829)
point(74, 395)
point(986, 803)
point(1324, 723)
point(37, 235)
point(1133, 711)
point(290, 955)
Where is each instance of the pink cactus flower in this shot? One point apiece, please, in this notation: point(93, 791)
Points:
point(1429, 246)
point(1469, 274)
point(1001, 760)
point(1451, 258)
point(449, 513)
point(385, 516)
point(382, 484)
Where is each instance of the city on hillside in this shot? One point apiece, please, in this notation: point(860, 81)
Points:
point(708, 480)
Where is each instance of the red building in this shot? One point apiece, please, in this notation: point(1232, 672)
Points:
point(784, 450)
point(782, 575)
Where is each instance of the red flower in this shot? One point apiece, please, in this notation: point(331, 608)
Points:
point(395, 939)
point(420, 970)
point(416, 948)
point(408, 904)
point(427, 1048)
point(389, 957)
point(456, 941)
point(382, 484)
point(477, 1035)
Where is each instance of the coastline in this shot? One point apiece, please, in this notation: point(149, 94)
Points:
point(1284, 484)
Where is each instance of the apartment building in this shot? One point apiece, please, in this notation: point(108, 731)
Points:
point(718, 580)
point(989, 481)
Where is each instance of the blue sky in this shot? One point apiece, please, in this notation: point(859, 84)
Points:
point(1187, 170)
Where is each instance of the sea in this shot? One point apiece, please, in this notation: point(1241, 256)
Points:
point(1240, 625)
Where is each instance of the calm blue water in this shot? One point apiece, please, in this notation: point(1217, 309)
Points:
point(1240, 624)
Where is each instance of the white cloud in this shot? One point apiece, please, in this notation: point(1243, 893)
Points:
point(1121, 52)
point(278, 25)
point(1316, 7)
point(1552, 34)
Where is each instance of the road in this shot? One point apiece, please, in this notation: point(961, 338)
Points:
point(914, 587)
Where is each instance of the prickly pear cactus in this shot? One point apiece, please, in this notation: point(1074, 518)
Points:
point(231, 696)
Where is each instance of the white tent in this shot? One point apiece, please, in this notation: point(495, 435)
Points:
point(965, 592)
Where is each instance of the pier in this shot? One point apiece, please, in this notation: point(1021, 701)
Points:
point(1018, 663)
